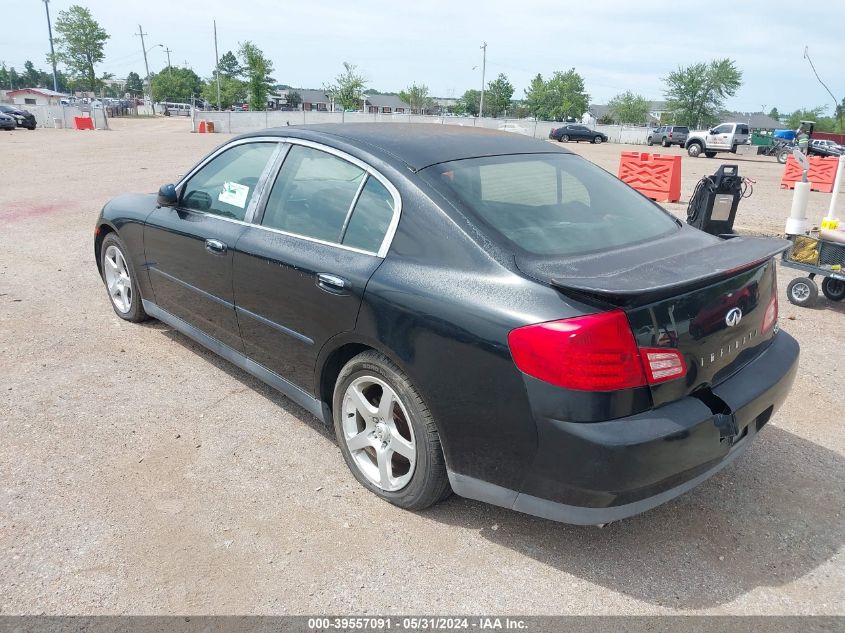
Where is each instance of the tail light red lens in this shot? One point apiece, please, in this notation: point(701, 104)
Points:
point(771, 315)
point(591, 353)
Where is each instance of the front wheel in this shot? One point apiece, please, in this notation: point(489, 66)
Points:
point(650, 141)
point(387, 434)
point(802, 291)
point(833, 289)
point(120, 283)
point(597, 140)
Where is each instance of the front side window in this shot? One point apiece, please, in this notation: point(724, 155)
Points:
point(550, 204)
point(225, 185)
point(313, 194)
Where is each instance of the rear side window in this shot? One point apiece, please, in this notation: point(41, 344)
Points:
point(313, 194)
point(550, 204)
point(370, 218)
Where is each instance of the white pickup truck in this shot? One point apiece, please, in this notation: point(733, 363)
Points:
point(723, 138)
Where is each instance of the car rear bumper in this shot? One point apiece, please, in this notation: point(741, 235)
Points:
point(589, 473)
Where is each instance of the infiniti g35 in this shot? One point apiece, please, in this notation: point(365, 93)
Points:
point(471, 310)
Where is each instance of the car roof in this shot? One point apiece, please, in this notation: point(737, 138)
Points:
point(419, 145)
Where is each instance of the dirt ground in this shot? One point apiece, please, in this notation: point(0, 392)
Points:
point(141, 474)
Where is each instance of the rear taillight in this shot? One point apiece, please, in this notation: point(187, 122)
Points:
point(771, 315)
point(591, 353)
point(670, 135)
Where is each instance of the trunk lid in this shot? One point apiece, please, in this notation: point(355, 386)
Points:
point(701, 295)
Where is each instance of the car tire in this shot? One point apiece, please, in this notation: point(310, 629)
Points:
point(710, 154)
point(377, 449)
point(694, 150)
point(665, 143)
point(650, 141)
point(125, 298)
point(597, 140)
point(783, 156)
point(564, 138)
point(802, 291)
point(833, 289)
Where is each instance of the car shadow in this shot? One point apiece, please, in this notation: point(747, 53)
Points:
point(770, 518)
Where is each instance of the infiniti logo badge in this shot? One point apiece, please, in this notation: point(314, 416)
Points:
point(733, 317)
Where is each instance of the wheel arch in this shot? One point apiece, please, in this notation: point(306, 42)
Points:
point(103, 228)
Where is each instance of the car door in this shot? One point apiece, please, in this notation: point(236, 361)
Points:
point(188, 247)
point(581, 133)
point(301, 270)
point(720, 137)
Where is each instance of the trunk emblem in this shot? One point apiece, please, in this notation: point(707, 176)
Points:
point(733, 317)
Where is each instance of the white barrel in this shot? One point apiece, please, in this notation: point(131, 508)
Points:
point(796, 224)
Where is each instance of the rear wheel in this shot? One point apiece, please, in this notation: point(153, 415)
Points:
point(120, 283)
point(782, 156)
point(665, 143)
point(802, 291)
point(564, 138)
point(694, 150)
point(710, 154)
point(387, 434)
point(833, 289)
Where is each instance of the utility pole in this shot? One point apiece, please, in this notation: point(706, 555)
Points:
point(483, 71)
point(146, 65)
point(217, 66)
point(168, 51)
point(52, 52)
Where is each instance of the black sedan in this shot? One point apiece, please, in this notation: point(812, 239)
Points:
point(470, 310)
point(23, 118)
point(576, 132)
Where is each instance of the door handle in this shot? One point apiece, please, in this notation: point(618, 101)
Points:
point(215, 247)
point(332, 283)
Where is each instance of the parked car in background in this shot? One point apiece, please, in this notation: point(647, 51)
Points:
point(825, 147)
point(7, 122)
point(576, 132)
point(466, 308)
point(513, 127)
point(23, 118)
point(668, 135)
point(722, 138)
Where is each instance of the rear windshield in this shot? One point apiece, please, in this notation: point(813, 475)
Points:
point(551, 204)
point(682, 130)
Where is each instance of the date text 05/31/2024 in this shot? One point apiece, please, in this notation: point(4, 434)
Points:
point(416, 623)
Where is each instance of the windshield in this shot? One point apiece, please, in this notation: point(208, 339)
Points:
point(551, 204)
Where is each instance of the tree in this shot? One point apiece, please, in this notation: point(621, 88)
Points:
point(229, 65)
point(561, 97)
point(79, 44)
point(348, 87)
point(294, 99)
point(498, 97)
point(177, 84)
point(774, 114)
point(630, 108)
point(256, 71)
point(232, 91)
point(815, 114)
point(134, 85)
point(416, 97)
point(31, 76)
point(696, 93)
point(469, 102)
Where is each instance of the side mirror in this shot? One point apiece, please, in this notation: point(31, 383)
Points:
point(712, 131)
point(167, 195)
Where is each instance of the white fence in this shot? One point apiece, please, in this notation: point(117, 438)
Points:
point(239, 122)
point(46, 116)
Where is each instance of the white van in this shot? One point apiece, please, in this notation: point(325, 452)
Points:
point(174, 109)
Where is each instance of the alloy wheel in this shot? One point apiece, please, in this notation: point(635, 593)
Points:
point(378, 433)
point(118, 280)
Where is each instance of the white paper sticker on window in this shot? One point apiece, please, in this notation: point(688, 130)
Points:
point(234, 193)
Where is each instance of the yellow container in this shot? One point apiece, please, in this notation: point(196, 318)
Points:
point(830, 223)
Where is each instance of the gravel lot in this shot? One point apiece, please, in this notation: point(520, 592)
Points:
point(141, 474)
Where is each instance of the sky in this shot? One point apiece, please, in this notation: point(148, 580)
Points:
point(616, 45)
